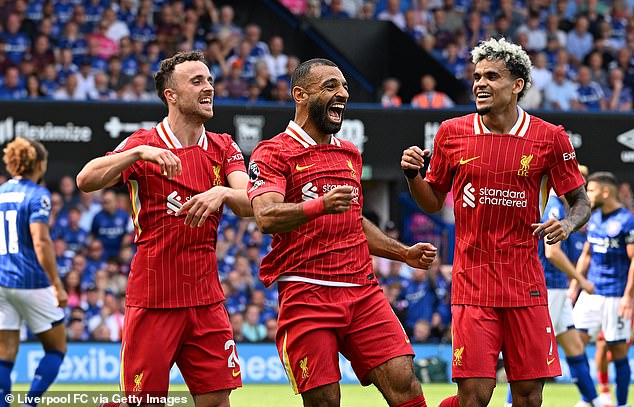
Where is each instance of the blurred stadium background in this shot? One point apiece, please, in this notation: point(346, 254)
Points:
point(78, 76)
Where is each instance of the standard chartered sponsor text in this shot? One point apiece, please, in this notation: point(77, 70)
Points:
point(502, 197)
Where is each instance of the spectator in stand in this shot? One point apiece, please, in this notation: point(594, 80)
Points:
point(626, 196)
point(271, 329)
point(89, 206)
point(110, 225)
point(85, 78)
point(63, 257)
point(540, 73)
point(335, 10)
point(253, 34)
point(393, 13)
point(579, 42)
point(453, 61)
point(536, 35)
point(297, 7)
point(34, 90)
point(216, 60)
point(92, 302)
point(560, 93)
point(276, 60)
point(421, 332)
point(594, 61)
point(75, 41)
point(68, 192)
point(261, 80)
point(252, 329)
point(117, 80)
point(420, 298)
point(589, 93)
point(72, 286)
point(74, 236)
point(412, 28)
point(225, 28)
point(77, 330)
point(99, 64)
point(17, 42)
point(129, 62)
point(12, 88)
point(95, 261)
point(105, 45)
point(236, 86)
point(389, 96)
point(618, 97)
point(142, 30)
point(553, 30)
point(102, 91)
point(136, 91)
point(237, 321)
point(69, 90)
point(42, 54)
point(429, 98)
point(514, 18)
point(291, 65)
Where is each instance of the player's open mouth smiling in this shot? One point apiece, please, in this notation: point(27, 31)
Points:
point(205, 101)
point(483, 95)
point(335, 111)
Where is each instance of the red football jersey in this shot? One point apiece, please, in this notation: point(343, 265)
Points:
point(175, 265)
point(331, 249)
point(500, 184)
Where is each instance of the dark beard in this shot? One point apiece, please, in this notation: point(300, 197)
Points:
point(483, 111)
point(318, 114)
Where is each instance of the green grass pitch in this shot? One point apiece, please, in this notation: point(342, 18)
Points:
point(256, 395)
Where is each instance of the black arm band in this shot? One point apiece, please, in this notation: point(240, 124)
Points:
point(410, 173)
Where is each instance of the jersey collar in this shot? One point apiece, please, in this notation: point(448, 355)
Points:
point(298, 134)
point(519, 129)
point(167, 135)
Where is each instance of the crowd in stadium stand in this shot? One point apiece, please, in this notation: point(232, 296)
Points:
point(108, 50)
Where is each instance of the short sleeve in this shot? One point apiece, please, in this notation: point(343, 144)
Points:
point(129, 143)
point(439, 173)
point(564, 174)
point(234, 160)
point(40, 207)
point(266, 171)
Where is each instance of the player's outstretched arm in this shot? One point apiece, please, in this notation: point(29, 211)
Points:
point(43, 246)
point(554, 230)
point(558, 258)
point(420, 255)
point(273, 215)
point(106, 171)
point(199, 207)
point(426, 197)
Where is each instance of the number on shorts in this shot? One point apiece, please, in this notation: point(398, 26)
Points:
point(620, 324)
point(11, 220)
point(233, 358)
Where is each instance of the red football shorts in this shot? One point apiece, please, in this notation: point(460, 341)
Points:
point(198, 339)
point(317, 322)
point(524, 335)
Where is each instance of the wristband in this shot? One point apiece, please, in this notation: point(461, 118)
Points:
point(410, 173)
point(313, 208)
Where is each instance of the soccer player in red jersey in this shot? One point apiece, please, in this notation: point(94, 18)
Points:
point(174, 302)
point(305, 189)
point(501, 162)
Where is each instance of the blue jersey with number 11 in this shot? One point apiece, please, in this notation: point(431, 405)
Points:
point(22, 202)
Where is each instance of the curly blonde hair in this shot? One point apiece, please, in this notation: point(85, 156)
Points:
point(21, 156)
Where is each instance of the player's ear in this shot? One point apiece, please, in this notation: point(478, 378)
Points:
point(518, 85)
point(170, 95)
point(299, 94)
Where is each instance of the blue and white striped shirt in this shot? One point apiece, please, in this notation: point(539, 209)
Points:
point(608, 236)
point(22, 202)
